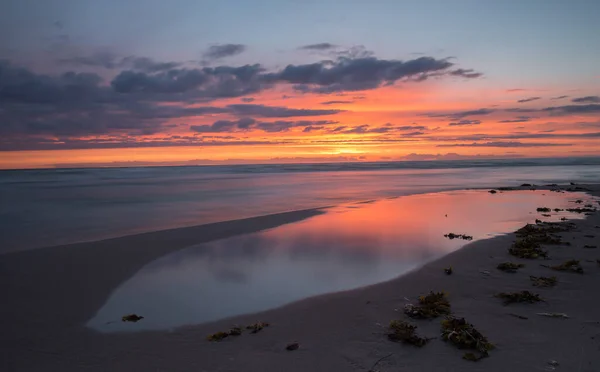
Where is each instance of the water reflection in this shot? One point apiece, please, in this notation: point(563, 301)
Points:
point(348, 247)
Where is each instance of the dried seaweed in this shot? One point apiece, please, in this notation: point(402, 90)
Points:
point(544, 209)
point(492, 191)
point(523, 296)
point(430, 306)
point(293, 346)
point(543, 281)
point(581, 210)
point(464, 336)
point(570, 266)
point(448, 270)
point(401, 331)
point(134, 318)
point(458, 236)
point(235, 331)
point(257, 327)
point(509, 267)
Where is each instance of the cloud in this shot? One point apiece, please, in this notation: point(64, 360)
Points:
point(109, 60)
point(220, 51)
point(466, 73)
point(529, 99)
point(388, 128)
point(514, 90)
point(461, 114)
point(246, 124)
point(573, 109)
point(247, 99)
point(559, 97)
point(319, 46)
point(276, 111)
point(208, 82)
point(503, 144)
point(519, 119)
point(355, 74)
point(465, 122)
point(449, 156)
point(587, 99)
point(336, 102)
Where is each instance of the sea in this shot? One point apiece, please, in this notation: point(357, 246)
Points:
point(48, 207)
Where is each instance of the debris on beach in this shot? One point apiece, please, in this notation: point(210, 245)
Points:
point(581, 210)
point(430, 306)
point(257, 327)
point(518, 316)
point(569, 265)
point(544, 209)
point(558, 210)
point(448, 270)
point(509, 267)
point(492, 191)
point(464, 336)
point(543, 281)
point(523, 296)
point(401, 331)
point(527, 248)
point(458, 236)
point(546, 215)
point(578, 201)
point(131, 318)
point(235, 331)
point(554, 315)
point(293, 346)
point(589, 206)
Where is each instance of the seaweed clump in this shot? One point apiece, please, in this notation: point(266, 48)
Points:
point(131, 318)
point(509, 267)
point(527, 247)
point(458, 236)
point(465, 336)
point(543, 281)
point(401, 331)
point(235, 331)
point(430, 306)
point(492, 191)
point(257, 327)
point(581, 210)
point(569, 265)
point(523, 296)
point(544, 209)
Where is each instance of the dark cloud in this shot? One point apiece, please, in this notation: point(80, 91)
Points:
point(466, 73)
point(319, 46)
point(246, 124)
point(221, 51)
point(336, 102)
point(503, 144)
point(109, 60)
point(461, 114)
point(276, 111)
point(529, 99)
point(388, 128)
point(209, 82)
point(354, 74)
point(465, 122)
point(559, 97)
point(587, 99)
point(516, 90)
point(518, 119)
point(573, 109)
point(247, 99)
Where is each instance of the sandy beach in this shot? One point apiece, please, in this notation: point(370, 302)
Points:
point(49, 294)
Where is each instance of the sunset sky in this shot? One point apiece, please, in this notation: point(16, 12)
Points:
point(114, 82)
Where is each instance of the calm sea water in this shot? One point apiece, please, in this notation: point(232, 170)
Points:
point(350, 246)
point(41, 208)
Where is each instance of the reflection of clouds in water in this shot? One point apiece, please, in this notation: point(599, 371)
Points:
point(325, 253)
point(230, 275)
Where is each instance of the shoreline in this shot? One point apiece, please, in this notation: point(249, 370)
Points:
point(336, 331)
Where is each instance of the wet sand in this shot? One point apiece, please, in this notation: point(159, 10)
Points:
point(50, 293)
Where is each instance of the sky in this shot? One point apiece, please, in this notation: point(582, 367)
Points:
point(148, 82)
